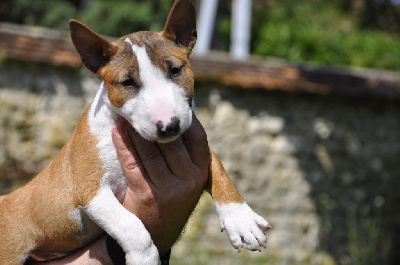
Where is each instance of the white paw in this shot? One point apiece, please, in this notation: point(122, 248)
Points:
point(138, 247)
point(245, 228)
point(146, 257)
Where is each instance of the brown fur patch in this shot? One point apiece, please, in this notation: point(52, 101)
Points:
point(123, 66)
point(70, 180)
point(86, 166)
point(220, 185)
point(181, 24)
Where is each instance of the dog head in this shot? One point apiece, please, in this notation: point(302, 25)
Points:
point(148, 76)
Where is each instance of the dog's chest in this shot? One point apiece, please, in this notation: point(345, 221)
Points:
point(101, 121)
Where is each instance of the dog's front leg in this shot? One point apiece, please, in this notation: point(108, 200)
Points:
point(245, 228)
point(124, 227)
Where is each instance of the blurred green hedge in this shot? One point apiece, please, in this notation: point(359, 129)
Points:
point(319, 31)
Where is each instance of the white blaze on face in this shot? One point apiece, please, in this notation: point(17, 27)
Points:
point(159, 99)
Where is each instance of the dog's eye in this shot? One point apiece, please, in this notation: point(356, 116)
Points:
point(175, 71)
point(129, 83)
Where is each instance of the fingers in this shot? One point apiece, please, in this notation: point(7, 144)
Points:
point(129, 160)
point(183, 156)
point(177, 158)
point(152, 160)
point(195, 140)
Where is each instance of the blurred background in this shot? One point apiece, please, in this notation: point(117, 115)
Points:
point(361, 33)
point(300, 99)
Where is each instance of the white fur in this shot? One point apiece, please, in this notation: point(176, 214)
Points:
point(124, 226)
point(101, 122)
point(23, 258)
point(106, 209)
point(245, 228)
point(159, 99)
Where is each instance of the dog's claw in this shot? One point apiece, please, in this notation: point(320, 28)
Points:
point(239, 249)
point(264, 245)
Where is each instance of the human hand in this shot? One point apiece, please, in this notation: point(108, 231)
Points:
point(165, 182)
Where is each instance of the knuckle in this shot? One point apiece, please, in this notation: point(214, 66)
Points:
point(197, 182)
point(132, 165)
point(148, 197)
point(151, 155)
point(170, 195)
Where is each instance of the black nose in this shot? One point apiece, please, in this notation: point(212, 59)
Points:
point(172, 127)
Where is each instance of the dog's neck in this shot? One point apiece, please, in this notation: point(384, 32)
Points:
point(102, 118)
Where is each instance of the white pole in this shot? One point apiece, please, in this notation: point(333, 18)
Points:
point(205, 26)
point(240, 30)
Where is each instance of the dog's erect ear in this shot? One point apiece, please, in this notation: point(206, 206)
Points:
point(181, 24)
point(95, 51)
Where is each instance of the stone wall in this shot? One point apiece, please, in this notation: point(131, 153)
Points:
point(322, 169)
point(39, 107)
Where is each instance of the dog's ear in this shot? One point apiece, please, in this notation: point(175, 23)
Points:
point(181, 24)
point(95, 51)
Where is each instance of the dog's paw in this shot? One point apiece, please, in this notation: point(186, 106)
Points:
point(146, 257)
point(245, 228)
point(140, 249)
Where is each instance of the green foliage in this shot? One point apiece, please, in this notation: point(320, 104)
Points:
point(324, 32)
point(121, 17)
point(47, 13)
point(368, 248)
point(318, 31)
point(116, 18)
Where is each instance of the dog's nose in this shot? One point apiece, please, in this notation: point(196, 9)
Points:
point(172, 127)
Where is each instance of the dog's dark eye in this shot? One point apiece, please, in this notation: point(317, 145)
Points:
point(175, 71)
point(129, 83)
